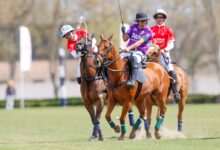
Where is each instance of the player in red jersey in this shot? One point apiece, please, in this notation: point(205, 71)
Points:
point(72, 35)
point(163, 36)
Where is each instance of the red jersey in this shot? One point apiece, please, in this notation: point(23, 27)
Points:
point(162, 35)
point(71, 44)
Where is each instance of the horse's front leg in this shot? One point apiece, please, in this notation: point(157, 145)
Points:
point(125, 109)
point(91, 110)
point(181, 106)
point(99, 108)
point(110, 106)
point(142, 111)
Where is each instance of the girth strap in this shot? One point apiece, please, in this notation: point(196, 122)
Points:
point(138, 90)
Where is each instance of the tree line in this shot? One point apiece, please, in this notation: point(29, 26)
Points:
point(195, 24)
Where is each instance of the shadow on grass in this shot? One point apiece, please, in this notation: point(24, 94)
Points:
point(55, 141)
point(207, 138)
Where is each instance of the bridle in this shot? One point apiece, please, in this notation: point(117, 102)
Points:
point(85, 53)
point(106, 65)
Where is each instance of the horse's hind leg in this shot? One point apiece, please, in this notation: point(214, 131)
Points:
point(181, 106)
point(147, 121)
point(142, 111)
point(99, 108)
point(131, 117)
point(162, 109)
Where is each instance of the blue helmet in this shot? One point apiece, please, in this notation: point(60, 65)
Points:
point(65, 29)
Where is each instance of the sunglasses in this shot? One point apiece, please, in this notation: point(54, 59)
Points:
point(159, 17)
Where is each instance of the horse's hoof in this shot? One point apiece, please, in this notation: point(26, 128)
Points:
point(121, 138)
point(117, 129)
point(148, 135)
point(132, 135)
point(101, 138)
point(93, 138)
point(157, 134)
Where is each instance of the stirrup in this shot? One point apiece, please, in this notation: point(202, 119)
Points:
point(131, 83)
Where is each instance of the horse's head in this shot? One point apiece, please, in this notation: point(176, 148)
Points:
point(106, 48)
point(153, 53)
point(84, 45)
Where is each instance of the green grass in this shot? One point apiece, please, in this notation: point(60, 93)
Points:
point(69, 128)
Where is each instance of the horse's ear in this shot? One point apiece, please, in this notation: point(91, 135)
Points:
point(110, 38)
point(101, 36)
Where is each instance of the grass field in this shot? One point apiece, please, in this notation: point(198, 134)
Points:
point(69, 128)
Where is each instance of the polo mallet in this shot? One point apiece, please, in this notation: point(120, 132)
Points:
point(81, 21)
point(122, 22)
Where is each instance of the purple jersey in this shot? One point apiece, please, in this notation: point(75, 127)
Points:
point(135, 34)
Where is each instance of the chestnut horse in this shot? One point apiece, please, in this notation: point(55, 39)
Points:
point(153, 54)
point(92, 86)
point(154, 88)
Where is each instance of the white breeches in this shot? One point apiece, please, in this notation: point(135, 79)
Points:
point(137, 54)
point(165, 62)
point(78, 68)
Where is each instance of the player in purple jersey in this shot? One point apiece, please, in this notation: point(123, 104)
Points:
point(139, 36)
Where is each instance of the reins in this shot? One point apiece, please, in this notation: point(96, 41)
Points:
point(107, 64)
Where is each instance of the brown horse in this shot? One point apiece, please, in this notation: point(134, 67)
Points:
point(154, 88)
point(92, 86)
point(153, 54)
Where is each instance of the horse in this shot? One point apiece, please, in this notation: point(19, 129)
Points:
point(153, 55)
point(93, 89)
point(154, 88)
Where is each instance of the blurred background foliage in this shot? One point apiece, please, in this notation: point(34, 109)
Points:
point(195, 24)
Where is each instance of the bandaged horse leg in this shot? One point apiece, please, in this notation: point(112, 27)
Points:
point(147, 121)
point(159, 122)
point(131, 117)
point(125, 109)
point(110, 106)
point(99, 108)
point(91, 111)
point(181, 106)
point(96, 128)
point(137, 124)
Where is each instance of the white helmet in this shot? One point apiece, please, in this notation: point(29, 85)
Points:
point(65, 29)
point(160, 11)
